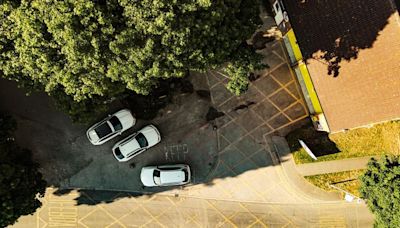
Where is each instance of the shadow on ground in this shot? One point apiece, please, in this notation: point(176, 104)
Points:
point(94, 197)
point(318, 141)
point(222, 137)
point(68, 161)
point(189, 126)
point(336, 30)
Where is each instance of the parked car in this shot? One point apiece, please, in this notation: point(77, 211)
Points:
point(165, 175)
point(110, 127)
point(136, 143)
point(280, 12)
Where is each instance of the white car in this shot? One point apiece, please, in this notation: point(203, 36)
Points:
point(280, 12)
point(110, 127)
point(165, 175)
point(136, 143)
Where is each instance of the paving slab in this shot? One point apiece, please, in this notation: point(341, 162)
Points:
point(295, 179)
point(335, 166)
point(99, 209)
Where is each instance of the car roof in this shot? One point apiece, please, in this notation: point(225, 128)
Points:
point(103, 130)
point(129, 146)
point(171, 176)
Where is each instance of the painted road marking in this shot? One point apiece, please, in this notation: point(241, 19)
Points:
point(62, 211)
point(331, 219)
point(176, 152)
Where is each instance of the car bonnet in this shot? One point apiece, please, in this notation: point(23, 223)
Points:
point(126, 119)
point(152, 135)
point(146, 176)
point(93, 135)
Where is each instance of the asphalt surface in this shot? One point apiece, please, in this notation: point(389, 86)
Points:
point(68, 160)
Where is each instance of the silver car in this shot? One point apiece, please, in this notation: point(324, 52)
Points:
point(165, 175)
point(110, 127)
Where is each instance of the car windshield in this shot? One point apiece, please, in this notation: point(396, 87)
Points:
point(103, 130)
point(142, 140)
point(186, 175)
point(156, 176)
point(115, 123)
point(118, 153)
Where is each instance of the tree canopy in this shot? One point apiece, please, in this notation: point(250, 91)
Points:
point(98, 48)
point(20, 180)
point(380, 186)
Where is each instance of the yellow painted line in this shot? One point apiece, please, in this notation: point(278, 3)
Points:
point(254, 216)
point(61, 211)
point(310, 87)
point(154, 218)
point(304, 71)
point(221, 214)
point(194, 220)
point(295, 46)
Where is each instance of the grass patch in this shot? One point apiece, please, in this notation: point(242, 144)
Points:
point(347, 181)
point(378, 140)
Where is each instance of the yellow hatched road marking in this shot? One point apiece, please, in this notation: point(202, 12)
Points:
point(62, 211)
point(220, 213)
point(310, 88)
point(286, 225)
point(155, 218)
point(257, 218)
point(330, 218)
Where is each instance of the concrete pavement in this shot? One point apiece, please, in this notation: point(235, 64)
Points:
point(92, 209)
point(316, 168)
point(293, 177)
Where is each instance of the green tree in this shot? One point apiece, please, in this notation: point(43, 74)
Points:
point(98, 48)
point(380, 186)
point(83, 111)
point(20, 180)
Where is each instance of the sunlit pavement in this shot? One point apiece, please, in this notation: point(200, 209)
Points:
point(171, 211)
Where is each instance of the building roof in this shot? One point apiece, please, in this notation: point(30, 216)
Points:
point(352, 50)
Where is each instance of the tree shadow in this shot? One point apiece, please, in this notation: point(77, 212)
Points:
point(94, 197)
point(397, 2)
point(336, 30)
point(147, 107)
point(73, 163)
point(246, 150)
